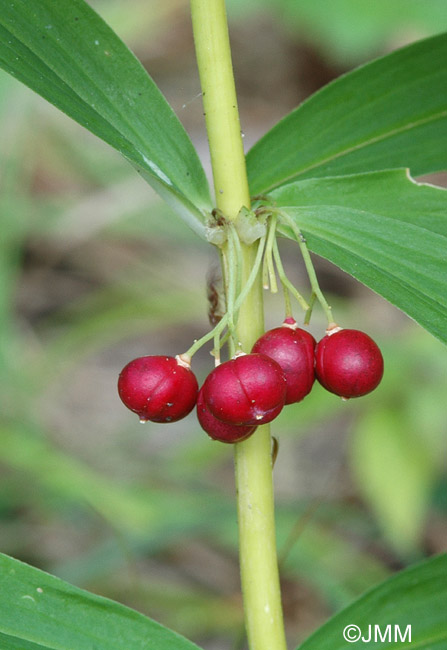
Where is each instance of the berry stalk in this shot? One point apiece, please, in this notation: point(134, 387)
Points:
point(253, 466)
point(287, 285)
point(248, 286)
point(309, 266)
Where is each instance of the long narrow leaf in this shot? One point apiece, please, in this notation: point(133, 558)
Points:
point(385, 230)
point(65, 52)
point(387, 114)
point(39, 610)
point(391, 193)
point(13, 643)
point(415, 597)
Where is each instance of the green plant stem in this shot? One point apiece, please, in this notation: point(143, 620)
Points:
point(238, 253)
point(269, 271)
point(257, 544)
point(308, 264)
point(248, 286)
point(220, 104)
point(288, 311)
point(309, 311)
point(232, 273)
point(285, 280)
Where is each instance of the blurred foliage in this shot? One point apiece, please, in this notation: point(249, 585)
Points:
point(347, 32)
point(344, 32)
point(93, 271)
point(398, 450)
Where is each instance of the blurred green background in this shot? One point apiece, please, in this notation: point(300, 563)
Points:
point(95, 270)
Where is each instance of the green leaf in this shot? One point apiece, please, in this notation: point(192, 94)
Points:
point(415, 597)
point(383, 229)
point(13, 643)
point(65, 52)
point(39, 610)
point(392, 193)
point(387, 114)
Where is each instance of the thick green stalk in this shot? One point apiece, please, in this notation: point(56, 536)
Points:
point(257, 544)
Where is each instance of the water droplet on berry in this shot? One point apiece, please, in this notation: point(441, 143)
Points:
point(247, 390)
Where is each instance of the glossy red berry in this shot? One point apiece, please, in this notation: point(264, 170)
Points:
point(217, 429)
point(250, 389)
point(348, 363)
point(160, 389)
point(294, 349)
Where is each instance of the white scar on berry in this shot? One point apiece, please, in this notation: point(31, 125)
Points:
point(333, 328)
point(183, 360)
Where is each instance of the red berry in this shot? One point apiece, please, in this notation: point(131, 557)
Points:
point(348, 363)
point(217, 429)
point(160, 389)
point(293, 348)
point(250, 389)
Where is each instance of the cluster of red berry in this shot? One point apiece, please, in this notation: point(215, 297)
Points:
point(251, 389)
